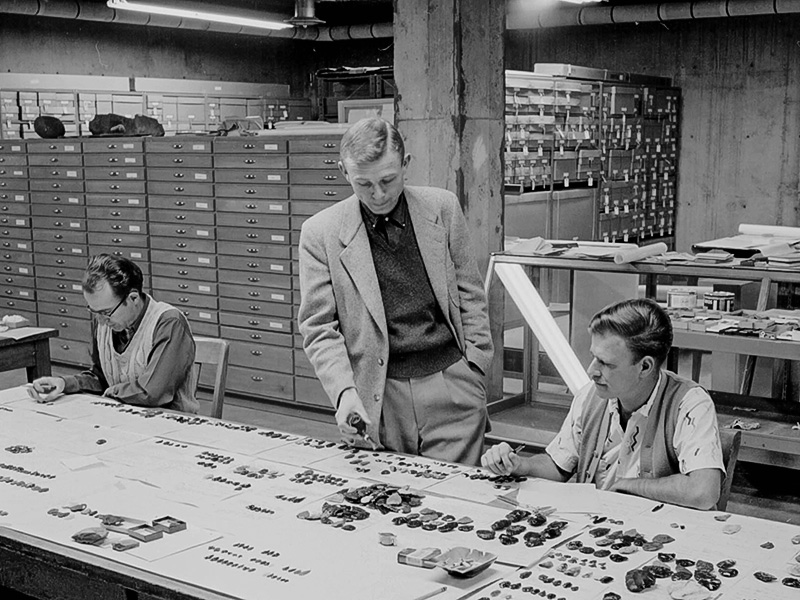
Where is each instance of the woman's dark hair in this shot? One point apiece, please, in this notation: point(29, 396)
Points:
point(369, 139)
point(642, 323)
point(121, 274)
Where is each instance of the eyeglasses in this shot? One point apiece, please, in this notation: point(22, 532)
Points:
point(106, 314)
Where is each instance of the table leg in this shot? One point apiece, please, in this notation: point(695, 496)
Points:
point(41, 368)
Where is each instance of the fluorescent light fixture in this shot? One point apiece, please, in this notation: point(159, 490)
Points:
point(191, 12)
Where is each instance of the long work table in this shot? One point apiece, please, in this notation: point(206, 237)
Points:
point(104, 500)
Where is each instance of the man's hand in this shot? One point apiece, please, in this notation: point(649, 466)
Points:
point(112, 391)
point(350, 403)
point(501, 459)
point(46, 389)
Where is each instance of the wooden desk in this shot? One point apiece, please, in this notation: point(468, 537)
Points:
point(27, 347)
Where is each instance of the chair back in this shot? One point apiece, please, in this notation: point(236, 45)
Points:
point(731, 441)
point(213, 351)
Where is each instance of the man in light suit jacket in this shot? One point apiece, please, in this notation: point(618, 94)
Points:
point(392, 311)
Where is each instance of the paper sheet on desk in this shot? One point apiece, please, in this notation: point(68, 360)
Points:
point(23, 332)
point(15, 394)
point(566, 498)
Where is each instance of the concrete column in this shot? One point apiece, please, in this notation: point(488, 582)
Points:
point(448, 67)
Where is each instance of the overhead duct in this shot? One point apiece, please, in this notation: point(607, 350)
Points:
point(526, 15)
point(84, 10)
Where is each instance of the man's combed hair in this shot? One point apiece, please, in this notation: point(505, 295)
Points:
point(369, 139)
point(642, 323)
point(121, 274)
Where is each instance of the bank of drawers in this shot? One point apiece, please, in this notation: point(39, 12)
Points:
point(214, 224)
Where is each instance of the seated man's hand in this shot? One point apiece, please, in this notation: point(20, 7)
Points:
point(350, 403)
point(500, 459)
point(46, 389)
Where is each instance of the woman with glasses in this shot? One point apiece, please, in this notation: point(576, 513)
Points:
point(142, 350)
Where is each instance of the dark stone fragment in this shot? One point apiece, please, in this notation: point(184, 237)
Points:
point(349, 527)
point(768, 545)
point(505, 584)
point(710, 583)
point(533, 542)
point(658, 571)
point(400, 520)
point(515, 529)
point(515, 586)
point(726, 564)
point(704, 565)
point(574, 544)
point(414, 523)
point(602, 552)
point(652, 546)
point(618, 558)
point(765, 577)
point(466, 527)
point(663, 538)
point(604, 542)
point(448, 526)
point(682, 575)
point(728, 572)
point(606, 579)
point(611, 596)
point(666, 557)
point(517, 515)
point(586, 550)
point(638, 580)
point(429, 526)
point(792, 582)
point(685, 562)
point(524, 574)
point(599, 531)
point(501, 524)
point(508, 540)
point(485, 534)
point(537, 520)
point(616, 546)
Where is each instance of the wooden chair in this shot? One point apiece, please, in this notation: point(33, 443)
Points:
point(212, 351)
point(731, 441)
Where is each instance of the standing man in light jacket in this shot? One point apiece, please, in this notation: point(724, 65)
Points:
point(142, 350)
point(392, 312)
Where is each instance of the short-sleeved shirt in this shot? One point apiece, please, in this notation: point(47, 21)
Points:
point(696, 439)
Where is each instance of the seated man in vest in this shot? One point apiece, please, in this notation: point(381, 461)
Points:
point(636, 428)
point(142, 349)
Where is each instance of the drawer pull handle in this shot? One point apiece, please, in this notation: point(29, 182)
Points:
point(252, 265)
point(256, 352)
point(177, 161)
point(113, 159)
point(249, 176)
point(117, 253)
point(181, 245)
point(62, 298)
point(177, 146)
point(183, 272)
point(329, 145)
point(252, 250)
point(56, 185)
point(183, 299)
point(252, 236)
point(330, 193)
point(57, 224)
point(257, 379)
point(249, 146)
point(328, 161)
point(182, 259)
point(249, 161)
point(115, 213)
point(112, 146)
point(179, 188)
point(178, 175)
point(252, 221)
point(180, 217)
point(254, 323)
point(54, 160)
point(116, 227)
point(53, 147)
point(254, 279)
point(113, 186)
point(251, 206)
point(58, 236)
point(250, 191)
point(185, 313)
point(180, 231)
point(63, 311)
point(64, 325)
point(55, 173)
point(56, 211)
point(183, 286)
point(330, 178)
point(59, 248)
point(65, 346)
point(115, 201)
point(59, 261)
point(180, 203)
point(253, 294)
point(8, 292)
point(116, 240)
point(254, 307)
point(255, 336)
point(61, 286)
point(113, 173)
point(60, 273)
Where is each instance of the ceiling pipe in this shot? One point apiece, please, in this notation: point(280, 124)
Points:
point(84, 10)
point(522, 15)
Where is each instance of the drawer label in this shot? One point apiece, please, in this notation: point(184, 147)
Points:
point(204, 288)
point(204, 315)
point(276, 325)
point(24, 293)
point(20, 221)
point(201, 204)
point(136, 255)
point(130, 160)
point(19, 198)
point(133, 201)
point(276, 267)
point(132, 175)
point(23, 270)
point(75, 225)
point(135, 228)
point(72, 173)
point(201, 176)
point(279, 297)
point(276, 206)
point(198, 146)
point(76, 287)
point(20, 173)
point(69, 148)
point(77, 251)
point(270, 146)
point(74, 200)
point(22, 246)
point(277, 238)
point(127, 146)
point(202, 233)
point(274, 178)
point(204, 261)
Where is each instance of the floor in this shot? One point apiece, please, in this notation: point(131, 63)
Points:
point(758, 490)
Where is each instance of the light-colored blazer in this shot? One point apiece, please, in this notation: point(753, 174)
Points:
point(341, 312)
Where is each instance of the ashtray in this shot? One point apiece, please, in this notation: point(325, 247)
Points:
point(465, 562)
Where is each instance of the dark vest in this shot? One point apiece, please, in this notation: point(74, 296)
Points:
point(420, 342)
point(658, 458)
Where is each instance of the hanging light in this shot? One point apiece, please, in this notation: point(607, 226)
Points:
point(304, 14)
point(180, 8)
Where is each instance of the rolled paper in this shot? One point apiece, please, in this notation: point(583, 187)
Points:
point(624, 257)
point(773, 230)
point(543, 325)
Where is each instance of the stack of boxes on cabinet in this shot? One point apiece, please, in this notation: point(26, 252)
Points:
point(223, 218)
point(579, 143)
